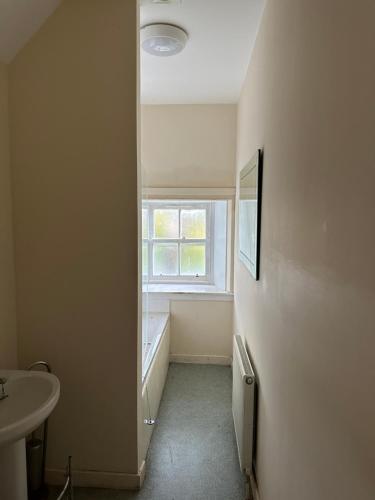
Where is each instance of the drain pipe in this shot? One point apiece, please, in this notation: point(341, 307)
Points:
point(37, 477)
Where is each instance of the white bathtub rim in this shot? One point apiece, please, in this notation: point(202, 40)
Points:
point(151, 356)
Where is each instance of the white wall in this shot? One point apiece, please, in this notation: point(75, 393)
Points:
point(309, 322)
point(8, 340)
point(192, 146)
point(74, 160)
point(188, 145)
point(201, 329)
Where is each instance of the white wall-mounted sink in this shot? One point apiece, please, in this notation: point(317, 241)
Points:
point(31, 397)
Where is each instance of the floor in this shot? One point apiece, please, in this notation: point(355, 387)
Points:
point(193, 453)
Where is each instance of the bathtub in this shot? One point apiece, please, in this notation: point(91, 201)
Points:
point(155, 362)
point(153, 327)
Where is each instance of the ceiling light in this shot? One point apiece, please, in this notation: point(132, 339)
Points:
point(163, 39)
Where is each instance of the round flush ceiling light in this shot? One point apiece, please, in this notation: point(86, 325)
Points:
point(163, 39)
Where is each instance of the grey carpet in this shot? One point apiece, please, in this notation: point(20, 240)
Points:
point(193, 453)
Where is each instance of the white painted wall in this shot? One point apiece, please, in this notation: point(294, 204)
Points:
point(309, 322)
point(192, 146)
point(188, 145)
point(74, 167)
point(201, 329)
point(8, 339)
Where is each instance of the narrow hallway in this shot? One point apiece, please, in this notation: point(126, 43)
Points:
point(193, 453)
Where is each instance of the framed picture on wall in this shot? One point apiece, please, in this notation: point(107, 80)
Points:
point(250, 194)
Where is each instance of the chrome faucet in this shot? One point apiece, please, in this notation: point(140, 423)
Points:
point(3, 395)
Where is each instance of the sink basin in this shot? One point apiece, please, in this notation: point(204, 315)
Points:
point(32, 395)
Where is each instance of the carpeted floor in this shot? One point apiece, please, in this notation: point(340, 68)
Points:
point(193, 453)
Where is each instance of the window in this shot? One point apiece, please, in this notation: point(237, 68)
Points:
point(176, 241)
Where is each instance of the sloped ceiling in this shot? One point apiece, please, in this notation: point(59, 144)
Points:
point(19, 20)
point(212, 67)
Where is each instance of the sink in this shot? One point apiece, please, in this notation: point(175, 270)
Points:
point(31, 397)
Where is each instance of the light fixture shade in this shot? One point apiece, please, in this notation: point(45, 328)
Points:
point(163, 40)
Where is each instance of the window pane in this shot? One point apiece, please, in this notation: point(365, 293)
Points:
point(144, 259)
point(165, 259)
point(193, 260)
point(144, 223)
point(193, 224)
point(166, 223)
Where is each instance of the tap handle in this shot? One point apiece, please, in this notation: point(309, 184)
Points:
point(3, 380)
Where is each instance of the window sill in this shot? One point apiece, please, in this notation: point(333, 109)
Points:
point(187, 292)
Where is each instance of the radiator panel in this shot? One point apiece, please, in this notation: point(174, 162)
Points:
point(243, 403)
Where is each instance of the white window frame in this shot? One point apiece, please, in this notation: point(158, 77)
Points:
point(152, 205)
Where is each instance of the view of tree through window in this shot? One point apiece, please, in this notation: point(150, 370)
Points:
point(175, 241)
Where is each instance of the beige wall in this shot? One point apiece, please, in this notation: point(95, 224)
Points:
point(188, 145)
point(73, 149)
point(192, 146)
point(8, 341)
point(201, 328)
point(309, 322)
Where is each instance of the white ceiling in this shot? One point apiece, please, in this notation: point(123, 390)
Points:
point(212, 67)
point(19, 20)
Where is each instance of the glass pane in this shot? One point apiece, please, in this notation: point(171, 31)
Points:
point(165, 259)
point(166, 223)
point(193, 224)
point(144, 259)
point(193, 260)
point(144, 223)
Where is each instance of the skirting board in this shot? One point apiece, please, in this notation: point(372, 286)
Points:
point(97, 479)
point(201, 359)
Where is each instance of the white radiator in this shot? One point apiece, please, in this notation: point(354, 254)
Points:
point(243, 403)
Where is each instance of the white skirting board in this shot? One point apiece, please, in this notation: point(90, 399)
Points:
point(201, 359)
point(97, 479)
